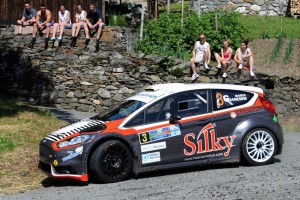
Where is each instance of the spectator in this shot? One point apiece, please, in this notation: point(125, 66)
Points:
point(224, 60)
point(81, 21)
point(201, 54)
point(64, 21)
point(43, 21)
point(28, 17)
point(95, 22)
point(244, 58)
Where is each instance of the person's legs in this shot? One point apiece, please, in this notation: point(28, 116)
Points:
point(47, 30)
point(239, 62)
point(249, 63)
point(54, 30)
point(225, 65)
point(74, 29)
point(218, 58)
point(193, 67)
point(206, 58)
point(77, 29)
point(86, 30)
point(61, 30)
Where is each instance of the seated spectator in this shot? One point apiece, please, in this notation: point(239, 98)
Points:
point(64, 21)
point(224, 60)
point(28, 17)
point(201, 54)
point(81, 22)
point(43, 21)
point(95, 22)
point(244, 58)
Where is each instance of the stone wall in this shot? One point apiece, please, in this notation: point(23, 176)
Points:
point(87, 80)
point(247, 7)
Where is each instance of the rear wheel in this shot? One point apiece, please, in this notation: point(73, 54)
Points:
point(259, 147)
point(111, 162)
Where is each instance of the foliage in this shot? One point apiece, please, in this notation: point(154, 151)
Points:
point(177, 71)
point(276, 50)
point(165, 37)
point(288, 51)
point(6, 144)
point(117, 20)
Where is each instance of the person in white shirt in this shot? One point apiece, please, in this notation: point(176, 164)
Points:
point(201, 54)
point(64, 21)
point(244, 58)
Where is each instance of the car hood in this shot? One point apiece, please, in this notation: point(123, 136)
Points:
point(85, 125)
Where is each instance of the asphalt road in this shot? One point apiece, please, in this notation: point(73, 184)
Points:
point(280, 180)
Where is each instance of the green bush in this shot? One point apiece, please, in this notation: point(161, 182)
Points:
point(117, 20)
point(165, 37)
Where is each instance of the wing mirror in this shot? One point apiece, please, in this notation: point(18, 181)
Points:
point(175, 118)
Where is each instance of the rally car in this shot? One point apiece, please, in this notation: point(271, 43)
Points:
point(166, 126)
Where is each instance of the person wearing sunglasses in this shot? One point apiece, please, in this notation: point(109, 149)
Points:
point(201, 54)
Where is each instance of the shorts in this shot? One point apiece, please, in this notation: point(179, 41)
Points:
point(51, 23)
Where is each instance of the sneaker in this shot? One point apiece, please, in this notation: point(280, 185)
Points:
point(53, 39)
point(240, 66)
point(224, 75)
point(59, 38)
point(252, 75)
point(219, 66)
point(194, 76)
point(206, 66)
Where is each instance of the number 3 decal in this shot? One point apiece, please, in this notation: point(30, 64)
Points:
point(220, 100)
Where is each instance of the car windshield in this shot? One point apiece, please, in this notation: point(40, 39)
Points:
point(120, 111)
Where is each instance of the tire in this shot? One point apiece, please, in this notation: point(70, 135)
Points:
point(259, 147)
point(111, 162)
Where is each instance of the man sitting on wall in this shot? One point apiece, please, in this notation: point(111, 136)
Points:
point(43, 21)
point(28, 17)
point(95, 22)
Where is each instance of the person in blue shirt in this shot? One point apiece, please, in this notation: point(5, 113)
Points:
point(95, 22)
point(28, 17)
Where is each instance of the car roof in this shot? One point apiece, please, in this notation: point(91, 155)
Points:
point(154, 91)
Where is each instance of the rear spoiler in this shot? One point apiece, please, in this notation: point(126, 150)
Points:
point(266, 84)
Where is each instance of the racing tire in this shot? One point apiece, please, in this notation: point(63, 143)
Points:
point(259, 147)
point(111, 162)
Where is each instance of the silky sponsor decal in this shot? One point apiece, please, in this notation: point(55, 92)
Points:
point(207, 142)
point(159, 134)
point(77, 152)
point(250, 110)
point(153, 146)
point(151, 157)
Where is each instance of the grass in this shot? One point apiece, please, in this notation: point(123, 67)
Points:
point(271, 26)
point(21, 129)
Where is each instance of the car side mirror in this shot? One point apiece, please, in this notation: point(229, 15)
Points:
point(175, 118)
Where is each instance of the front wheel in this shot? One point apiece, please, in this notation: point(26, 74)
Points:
point(111, 162)
point(259, 147)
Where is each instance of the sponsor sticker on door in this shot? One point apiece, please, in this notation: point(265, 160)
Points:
point(150, 157)
point(153, 147)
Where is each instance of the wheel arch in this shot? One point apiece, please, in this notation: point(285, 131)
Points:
point(248, 125)
point(101, 140)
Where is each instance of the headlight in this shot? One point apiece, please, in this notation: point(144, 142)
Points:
point(75, 140)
